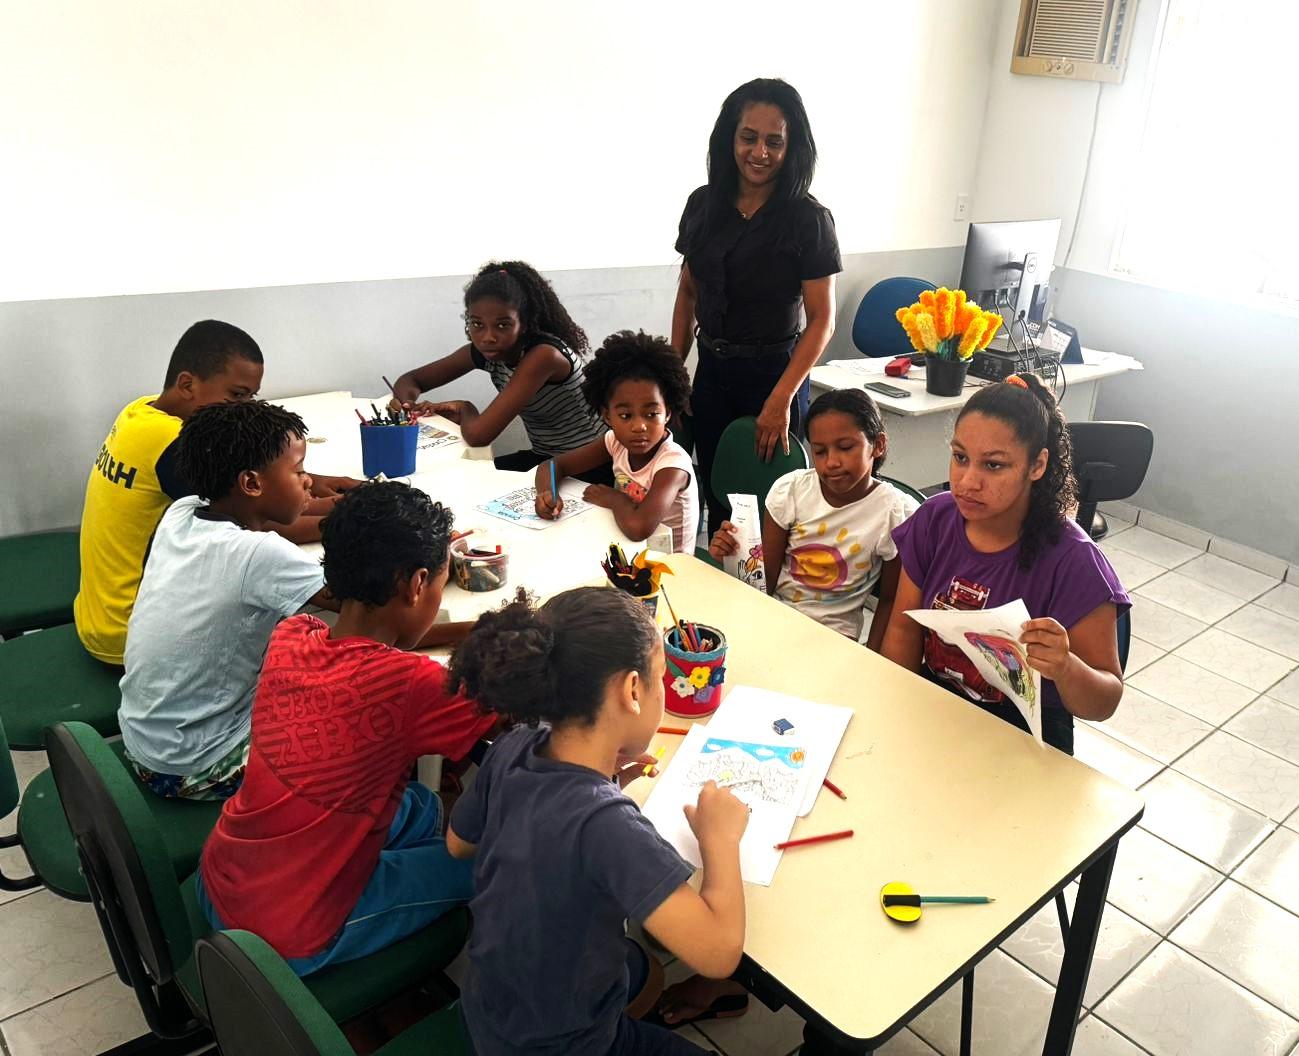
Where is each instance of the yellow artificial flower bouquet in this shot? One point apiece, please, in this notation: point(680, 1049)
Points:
point(944, 324)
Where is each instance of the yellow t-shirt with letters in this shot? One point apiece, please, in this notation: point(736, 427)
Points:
point(126, 496)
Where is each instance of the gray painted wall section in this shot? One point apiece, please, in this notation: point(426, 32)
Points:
point(1220, 390)
point(71, 365)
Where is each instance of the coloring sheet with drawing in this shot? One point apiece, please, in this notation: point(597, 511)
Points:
point(746, 566)
point(431, 437)
point(519, 506)
point(769, 778)
point(990, 640)
point(747, 714)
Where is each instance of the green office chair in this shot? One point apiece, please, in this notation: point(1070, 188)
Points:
point(738, 470)
point(48, 677)
point(151, 920)
point(258, 1007)
point(39, 578)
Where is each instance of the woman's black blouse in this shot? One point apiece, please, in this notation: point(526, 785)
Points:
point(749, 273)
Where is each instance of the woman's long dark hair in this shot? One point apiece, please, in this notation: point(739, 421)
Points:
point(795, 177)
point(1035, 418)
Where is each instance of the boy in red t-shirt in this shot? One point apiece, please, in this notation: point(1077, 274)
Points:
point(325, 851)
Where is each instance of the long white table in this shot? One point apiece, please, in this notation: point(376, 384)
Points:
point(546, 561)
point(920, 425)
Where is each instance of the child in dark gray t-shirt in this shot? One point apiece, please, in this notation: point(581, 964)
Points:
point(563, 857)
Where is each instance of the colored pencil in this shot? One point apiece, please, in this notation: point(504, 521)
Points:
point(359, 415)
point(657, 755)
point(681, 627)
point(814, 839)
point(680, 731)
point(554, 488)
point(924, 900)
point(390, 388)
point(694, 633)
point(833, 788)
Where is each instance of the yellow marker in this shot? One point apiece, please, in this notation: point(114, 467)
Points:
point(657, 755)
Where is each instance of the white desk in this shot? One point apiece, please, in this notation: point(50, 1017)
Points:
point(920, 426)
point(566, 554)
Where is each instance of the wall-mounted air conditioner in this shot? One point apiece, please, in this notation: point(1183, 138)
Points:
point(1080, 40)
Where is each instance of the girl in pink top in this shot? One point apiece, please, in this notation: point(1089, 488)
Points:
point(637, 383)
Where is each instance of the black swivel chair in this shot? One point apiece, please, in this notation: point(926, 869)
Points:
point(1110, 460)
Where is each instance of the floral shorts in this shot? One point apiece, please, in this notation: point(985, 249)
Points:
point(221, 780)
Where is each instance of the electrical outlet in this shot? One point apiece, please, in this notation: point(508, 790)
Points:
point(962, 207)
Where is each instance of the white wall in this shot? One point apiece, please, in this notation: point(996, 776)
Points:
point(1038, 139)
point(214, 144)
point(1222, 451)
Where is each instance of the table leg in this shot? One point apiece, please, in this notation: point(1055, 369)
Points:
point(967, 1012)
point(1078, 950)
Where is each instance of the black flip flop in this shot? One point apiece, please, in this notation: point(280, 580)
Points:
point(728, 1006)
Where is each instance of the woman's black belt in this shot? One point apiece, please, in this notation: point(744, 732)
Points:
point(730, 350)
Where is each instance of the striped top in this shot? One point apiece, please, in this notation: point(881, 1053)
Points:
point(557, 418)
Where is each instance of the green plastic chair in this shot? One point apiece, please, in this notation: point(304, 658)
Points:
point(151, 920)
point(258, 1007)
point(39, 578)
point(906, 489)
point(48, 677)
point(9, 800)
point(737, 470)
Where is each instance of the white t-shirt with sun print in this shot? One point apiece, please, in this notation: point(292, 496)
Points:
point(834, 552)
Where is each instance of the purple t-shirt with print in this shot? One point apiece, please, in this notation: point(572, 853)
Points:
point(1067, 581)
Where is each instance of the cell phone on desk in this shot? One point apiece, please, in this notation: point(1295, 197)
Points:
point(887, 390)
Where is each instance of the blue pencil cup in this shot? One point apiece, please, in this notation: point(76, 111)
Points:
point(388, 449)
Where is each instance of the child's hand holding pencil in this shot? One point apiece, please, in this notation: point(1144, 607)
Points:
point(631, 767)
point(548, 503)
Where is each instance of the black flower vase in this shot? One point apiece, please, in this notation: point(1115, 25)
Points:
point(945, 377)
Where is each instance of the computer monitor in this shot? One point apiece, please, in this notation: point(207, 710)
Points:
point(1007, 267)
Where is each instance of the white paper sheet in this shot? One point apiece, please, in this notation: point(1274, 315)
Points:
point(519, 506)
point(866, 366)
point(990, 640)
point(704, 757)
point(747, 714)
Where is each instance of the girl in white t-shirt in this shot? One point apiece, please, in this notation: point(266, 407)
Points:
point(637, 383)
point(827, 532)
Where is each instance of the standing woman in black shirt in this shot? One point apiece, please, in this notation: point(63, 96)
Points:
point(759, 253)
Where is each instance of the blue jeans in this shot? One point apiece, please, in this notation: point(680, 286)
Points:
point(414, 883)
point(727, 389)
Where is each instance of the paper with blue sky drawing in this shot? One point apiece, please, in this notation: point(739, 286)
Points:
point(769, 778)
point(747, 713)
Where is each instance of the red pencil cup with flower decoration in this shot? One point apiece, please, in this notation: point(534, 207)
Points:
point(692, 678)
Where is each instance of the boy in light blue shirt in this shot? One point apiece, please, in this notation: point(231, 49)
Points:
point(216, 582)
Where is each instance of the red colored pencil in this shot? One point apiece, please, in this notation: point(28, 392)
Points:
point(678, 730)
point(359, 415)
point(814, 839)
point(833, 788)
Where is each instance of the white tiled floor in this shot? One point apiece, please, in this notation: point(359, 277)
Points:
point(1199, 950)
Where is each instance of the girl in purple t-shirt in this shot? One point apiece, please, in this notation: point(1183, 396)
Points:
point(1004, 532)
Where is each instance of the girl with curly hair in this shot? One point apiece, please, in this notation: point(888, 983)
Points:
point(1003, 532)
point(562, 858)
point(638, 384)
point(524, 338)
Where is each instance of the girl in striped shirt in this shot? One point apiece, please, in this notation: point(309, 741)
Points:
point(536, 355)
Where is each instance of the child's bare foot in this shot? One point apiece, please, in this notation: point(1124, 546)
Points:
point(698, 998)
